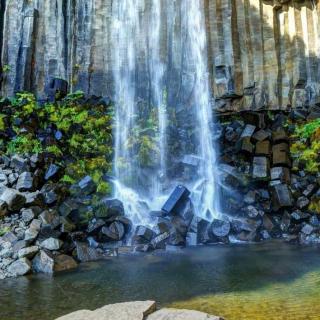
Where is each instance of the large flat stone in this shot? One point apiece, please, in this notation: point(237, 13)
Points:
point(175, 314)
point(120, 311)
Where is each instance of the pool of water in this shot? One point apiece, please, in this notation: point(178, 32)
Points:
point(265, 281)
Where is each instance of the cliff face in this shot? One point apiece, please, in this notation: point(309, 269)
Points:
point(262, 54)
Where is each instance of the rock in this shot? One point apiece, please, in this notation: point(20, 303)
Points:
point(220, 228)
point(51, 244)
point(307, 229)
point(246, 145)
point(247, 225)
point(279, 136)
point(6, 250)
point(115, 231)
point(309, 190)
point(250, 197)
point(14, 199)
point(281, 196)
point(110, 208)
point(3, 179)
point(87, 185)
point(49, 194)
point(176, 239)
point(19, 164)
point(260, 168)
point(66, 225)
point(261, 135)
point(28, 252)
point(176, 200)
point(9, 237)
point(143, 234)
point(281, 173)
point(285, 222)
point(173, 314)
point(159, 242)
point(49, 218)
point(27, 215)
point(3, 208)
point(191, 239)
point(20, 267)
point(268, 223)
point(43, 262)
point(302, 202)
point(12, 178)
point(86, 253)
point(34, 198)
point(298, 215)
point(33, 231)
point(280, 155)
point(52, 172)
point(95, 226)
point(48, 232)
point(263, 148)
point(25, 182)
point(67, 207)
point(121, 311)
point(252, 212)
point(64, 262)
point(248, 131)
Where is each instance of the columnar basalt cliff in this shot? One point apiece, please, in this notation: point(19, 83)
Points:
point(262, 54)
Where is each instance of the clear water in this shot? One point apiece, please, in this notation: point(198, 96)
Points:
point(139, 30)
point(271, 281)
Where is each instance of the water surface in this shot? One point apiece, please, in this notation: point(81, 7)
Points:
point(265, 281)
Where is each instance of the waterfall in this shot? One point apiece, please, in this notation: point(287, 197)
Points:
point(147, 152)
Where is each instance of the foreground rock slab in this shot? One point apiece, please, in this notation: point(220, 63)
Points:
point(139, 310)
point(175, 314)
point(121, 311)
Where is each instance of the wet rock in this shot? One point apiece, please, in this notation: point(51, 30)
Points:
point(176, 200)
point(298, 215)
point(307, 229)
point(263, 148)
point(115, 231)
point(51, 244)
point(281, 196)
point(280, 155)
point(302, 202)
point(220, 228)
point(248, 131)
point(14, 199)
point(64, 262)
point(95, 226)
point(159, 242)
point(191, 239)
point(280, 173)
point(87, 185)
point(260, 168)
point(25, 182)
point(265, 235)
point(33, 231)
point(43, 262)
point(28, 252)
point(143, 234)
point(52, 172)
point(176, 239)
point(20, 267)
point(110, 208)
point(27, 215)
point(85, 253)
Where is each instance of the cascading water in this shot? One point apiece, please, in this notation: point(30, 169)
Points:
point(146, 149)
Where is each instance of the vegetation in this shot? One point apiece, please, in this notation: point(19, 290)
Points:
point(74, 133)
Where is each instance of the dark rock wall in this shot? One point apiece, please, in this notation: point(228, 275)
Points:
point(262, 54)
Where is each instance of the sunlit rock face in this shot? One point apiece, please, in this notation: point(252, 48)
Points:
point(261, 54)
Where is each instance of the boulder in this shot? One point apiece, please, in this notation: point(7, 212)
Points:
point(121, 311)
point(143, 234)
point(49, 218)
point(27, 215)
point(19, 164)
point(64, 262)
point(279, 135)
point(177, 200)
point(109, 208)
point(260, 168)
point(191, 239)
point(281, 173)
point(115, 231)
point(159, 242)
point(25, 182)
point(51, 244)
point(281, 196)
point(20, 267)
point(261, 135)
point(95, 226)
point(3, 179)
point(263, 148)
point(220, 228)
point(248, 131)
point(280, 155)
point(43, 262)
point(14, 199)
point(33, 231)
point(28, 252)
point(52, 172)
point(85, 253)
point(87, 185)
